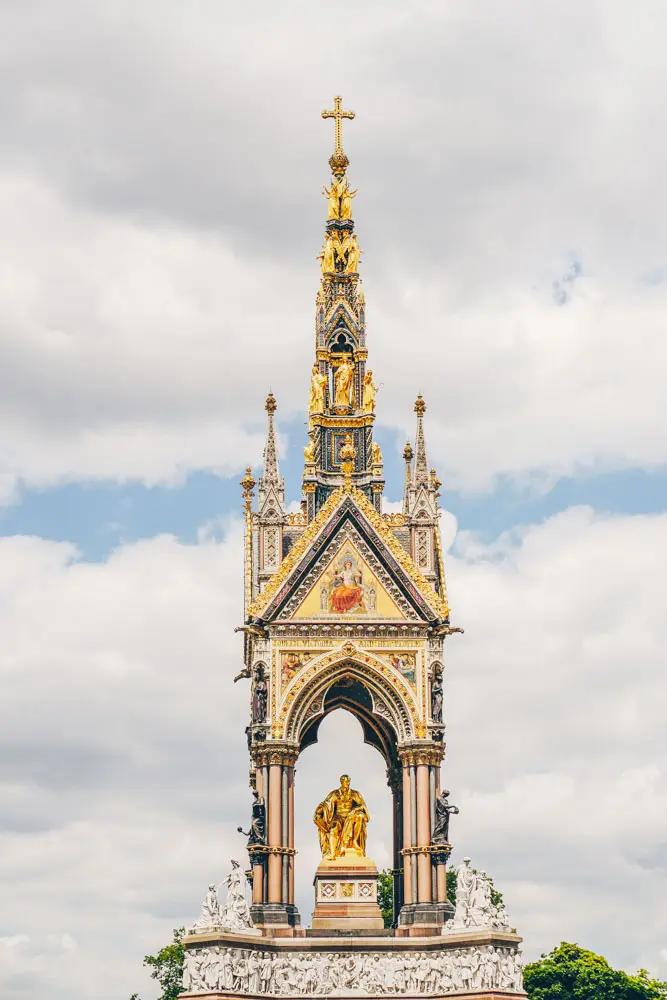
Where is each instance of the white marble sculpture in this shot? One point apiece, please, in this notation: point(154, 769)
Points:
point(236, 914)
point(474, 905)
point(251, 970)
point(210, 910)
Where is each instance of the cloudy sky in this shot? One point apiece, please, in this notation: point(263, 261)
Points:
point(160, 174)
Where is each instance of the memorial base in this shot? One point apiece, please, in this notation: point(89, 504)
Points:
point(346, 895)
point(466, 965)
point(429, 914)
point(275, 915)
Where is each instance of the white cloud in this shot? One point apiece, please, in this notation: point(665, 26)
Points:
point(161, 215)
point(124, 760)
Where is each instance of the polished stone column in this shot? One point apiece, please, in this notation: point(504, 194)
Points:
point(275, 832)
point(407, 836)
point(276, 882)
point(290, 833)
point(424, 894)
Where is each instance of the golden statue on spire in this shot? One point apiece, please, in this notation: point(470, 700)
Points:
point(339, 199)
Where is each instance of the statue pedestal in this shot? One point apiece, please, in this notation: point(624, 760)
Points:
point(346, 895)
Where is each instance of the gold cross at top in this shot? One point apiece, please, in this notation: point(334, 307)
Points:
point(338, 114)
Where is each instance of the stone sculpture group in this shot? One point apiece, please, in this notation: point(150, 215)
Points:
point(474, 902)
point(241, 970)
point(235, 915)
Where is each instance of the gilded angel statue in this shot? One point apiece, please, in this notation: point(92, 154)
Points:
point(318, 383)
point(369, 392)
point(343, 380)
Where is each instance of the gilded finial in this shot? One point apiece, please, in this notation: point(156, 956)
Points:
point(270, 406)
point(339, 160)
point(248, 484)
point(420, 405)
point(408, 452)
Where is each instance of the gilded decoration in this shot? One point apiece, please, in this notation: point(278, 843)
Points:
point(377, 672)
point(264, 755)
point(297, 518)
point(399, 553)
point(295, 554)
point(341, 820)
point(347, 586)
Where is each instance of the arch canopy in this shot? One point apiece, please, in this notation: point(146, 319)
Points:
point(384, 705)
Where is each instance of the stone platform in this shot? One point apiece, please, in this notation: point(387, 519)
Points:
point(346, 895)
point(470, 965)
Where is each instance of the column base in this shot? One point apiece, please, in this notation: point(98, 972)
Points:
point(425, 913)
point(275, 915)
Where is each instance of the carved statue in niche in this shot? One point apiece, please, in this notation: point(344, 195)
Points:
point(443, 812)
point(376, 454)
point(318, 383)
point(343, 382)
point(341, 820)
point(436, 695)
point(369, 393)
point(260, 696)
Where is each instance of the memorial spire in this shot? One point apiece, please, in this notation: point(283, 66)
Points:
point(342, 391)
point(421, 473)
point(271, 482)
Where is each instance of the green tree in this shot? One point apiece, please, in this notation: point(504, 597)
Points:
point(572, 973)
point(451, 885)
point(167, 967)
point(386, 896)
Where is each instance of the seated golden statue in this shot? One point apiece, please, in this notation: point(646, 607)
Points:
point(341, 822)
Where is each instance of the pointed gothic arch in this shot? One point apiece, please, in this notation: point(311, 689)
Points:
point(387, 717)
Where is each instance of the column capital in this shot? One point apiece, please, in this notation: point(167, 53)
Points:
point(412, 754)
point(284, 754)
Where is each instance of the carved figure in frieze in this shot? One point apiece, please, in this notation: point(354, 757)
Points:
point(227, 976)
point(265, 972)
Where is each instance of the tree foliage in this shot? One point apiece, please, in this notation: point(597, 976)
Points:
point(386, 896)
point(167, 967)
point(572, 973)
